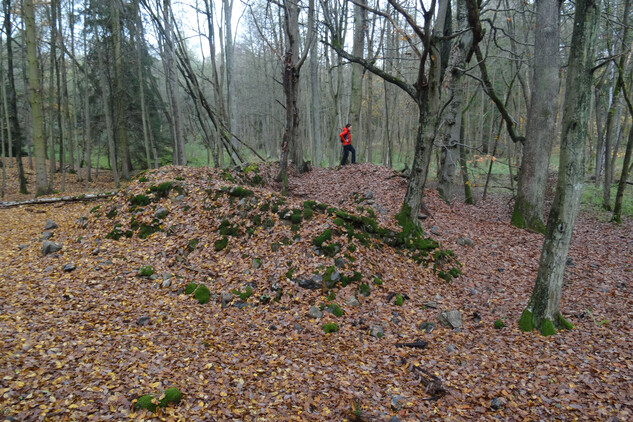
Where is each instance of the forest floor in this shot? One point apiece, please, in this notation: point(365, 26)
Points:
point(83, 334)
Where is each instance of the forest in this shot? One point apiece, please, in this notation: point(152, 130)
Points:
point(182, 240)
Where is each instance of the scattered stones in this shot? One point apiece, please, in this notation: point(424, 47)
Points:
point(46, 235)
point(496, 404)
point(430, 304)
point(22, 247)
point(166, 283)
point(451, 348)
point(50, 247)
point(68, 267)
point(436, 231)
point(143, 321)
point(48, 269)
point(225, 299)
point(314, 312)
point(397, 402)
point(381, 210)
point(476, 317)
point(451, 319)
point(427, 327)
point(465, 241)
point(376, 331)
point(369, 195)
point(50, 225)
point(313, 283)
point(352, 301)
point(339, 263)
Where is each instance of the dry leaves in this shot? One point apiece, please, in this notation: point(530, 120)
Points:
point(71, 348)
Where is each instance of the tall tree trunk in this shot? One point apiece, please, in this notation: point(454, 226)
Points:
point(542, 311)
point(315, 95)
point(452, 128)
point(13, 102)
point(358, 50)
point(123, 147)
point(528, 207)
point(35, 96)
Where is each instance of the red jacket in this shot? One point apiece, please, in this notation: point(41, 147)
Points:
point(346, 136)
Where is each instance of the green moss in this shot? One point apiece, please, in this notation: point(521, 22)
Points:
point(339, 222)
point(227, 176)
point(145, 271)
point(499, 324)
point(321, 207)
point(95, 209)
point(146, 230)
point(351, 248)
point(268, 223)
point(308, 213)
point(525, 322)
point(378, 281)
point(563, 323)
point(228, 229)
point(162, 190)
point(335, 309)
point(202, 294)
point(309, 204)
point(112, 213)
point(331, 249)
point(290, 272)
point(172, 395)
point(240, 192)
point(143, 179)
point(191, 287)
point(257, 220)
point(399, 300)
point(243, 295)
point(363, 289)
point(547, 328)
point(145, 402)
point(221, 244)
point(140, 200)
point(323, 237)
point(264, 207)
point(162, 214)
point(193, 243)
point(327, 277)
point(330, 328)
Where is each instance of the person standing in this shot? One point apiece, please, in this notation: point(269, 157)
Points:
point(346, 140)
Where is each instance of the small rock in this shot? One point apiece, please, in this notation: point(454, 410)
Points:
point(476, 317)
point(225, 299)
point(50, 247)
point(299, 328)
point(427, 327)
point(496, 404)
point(394, 419)
point(430, 304)
point(369, 195)
point(143, 321)
point(376, 331)
point(166, 283)
point(570, 262)
point(464, 241)
point(339, 263)
point(313, 283)
point(256, 263)
point(314, 312)
point(167, 276)
point(50, 225)
point(335, 276)
point(473, 292)
point(396, 403)
point(161, 213)
point(179, 198)
point(436, 231)
point(22, 247)
point(46, 235)
point(68, 267)
point(275, 287)
point(450, 348)
point(422, 216)
point(48, 269)
point(500, 269)
point(352, 301)
point(451, 319)
point(381, 210)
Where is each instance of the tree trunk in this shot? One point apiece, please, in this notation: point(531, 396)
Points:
point(358, 49)
point(13, 102)
point(528, 207)
point(617, 208)
point(316, 97)
point(35, 96)
point(452, 128)
point(542, 311)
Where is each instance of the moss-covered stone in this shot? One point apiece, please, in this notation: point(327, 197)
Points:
point(146, 230)
point(145, 271)
point(140, 200)
point(172, 395)
point(202, 294)
point(323, 237)
point(221, 244)
point(146, 402)
point(191, 287)
point(499, 324)
point(330, 328)
point(245, 294)
point(399, 300)
point(162, 190)
point(378, 281)
point(363, 289)
point(192, 244)
point(335, 310)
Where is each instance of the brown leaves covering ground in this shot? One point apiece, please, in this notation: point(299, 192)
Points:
point(71, 348)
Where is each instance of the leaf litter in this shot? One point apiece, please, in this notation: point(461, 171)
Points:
point(72, 346)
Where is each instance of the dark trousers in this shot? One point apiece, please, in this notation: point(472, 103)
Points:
point(346, 150)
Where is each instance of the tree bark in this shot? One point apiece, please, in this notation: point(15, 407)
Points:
point(541, 124)
point(35, 96)
point(542, 311)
